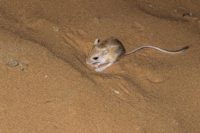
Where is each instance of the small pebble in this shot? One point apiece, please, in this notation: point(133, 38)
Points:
point(23, 66)
point(151, 6)
point(12, 63)
point(55, 28)
point(116, 91)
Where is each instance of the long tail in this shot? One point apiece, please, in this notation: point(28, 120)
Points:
point(159, 49)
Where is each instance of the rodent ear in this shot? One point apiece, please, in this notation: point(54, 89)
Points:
point(96, 42)
point(105, 52)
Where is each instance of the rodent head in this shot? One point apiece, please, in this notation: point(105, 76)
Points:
point(98, 54)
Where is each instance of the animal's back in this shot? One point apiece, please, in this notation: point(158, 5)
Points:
point(114, 44)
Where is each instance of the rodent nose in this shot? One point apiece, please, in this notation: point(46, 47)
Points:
point(95, 58)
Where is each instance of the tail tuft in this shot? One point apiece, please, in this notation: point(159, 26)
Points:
point(185, 48)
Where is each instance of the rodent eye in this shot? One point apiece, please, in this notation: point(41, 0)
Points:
point(95, 58)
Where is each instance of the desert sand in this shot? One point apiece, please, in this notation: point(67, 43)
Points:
point(46, 86)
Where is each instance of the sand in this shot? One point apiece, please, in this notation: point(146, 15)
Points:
point(46, 87)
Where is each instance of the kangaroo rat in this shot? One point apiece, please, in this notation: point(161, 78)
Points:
point(107, 52)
